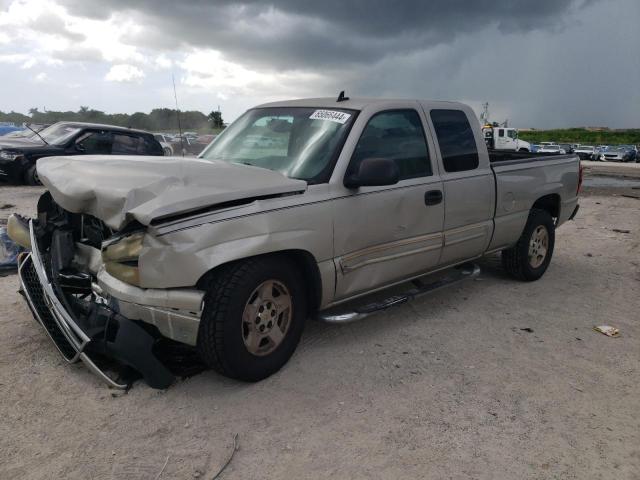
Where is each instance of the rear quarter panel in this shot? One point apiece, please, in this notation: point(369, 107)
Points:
point(520, 184)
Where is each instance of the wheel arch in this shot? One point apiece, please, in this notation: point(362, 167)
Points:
point(549, 203)
point(303, 260)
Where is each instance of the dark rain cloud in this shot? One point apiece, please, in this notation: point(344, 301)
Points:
point(309, 33)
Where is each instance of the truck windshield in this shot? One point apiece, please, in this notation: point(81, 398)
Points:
point(298, 142)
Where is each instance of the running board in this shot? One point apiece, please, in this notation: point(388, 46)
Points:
point(463, 272)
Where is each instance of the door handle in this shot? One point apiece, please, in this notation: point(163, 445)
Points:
point(433, 197)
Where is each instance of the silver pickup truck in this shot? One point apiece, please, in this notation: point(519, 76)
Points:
point(296, 208)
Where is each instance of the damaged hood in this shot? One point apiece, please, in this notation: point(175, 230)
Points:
point(118, 189)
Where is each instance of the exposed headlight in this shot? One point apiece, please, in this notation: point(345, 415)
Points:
point(120, 257)
point(18, 231)
point(9, 155)
point(127, 273)
point(123, 248)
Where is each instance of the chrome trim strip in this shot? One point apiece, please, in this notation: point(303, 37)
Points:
point(463, 239)
point(35, 313)
point(415, 251)
point(103, 376)
point(62, 318)
point(388, 246)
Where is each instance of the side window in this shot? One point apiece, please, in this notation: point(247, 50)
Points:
point(501, 132)
point(125, 144)
point(511, 134)
point(456, 140)
point(398, 135)
point(94, 143)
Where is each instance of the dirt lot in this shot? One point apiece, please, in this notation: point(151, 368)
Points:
point(449, 386)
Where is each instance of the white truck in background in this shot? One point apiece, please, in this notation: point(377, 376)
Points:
point(504, 138)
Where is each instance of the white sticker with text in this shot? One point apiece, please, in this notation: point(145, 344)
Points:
point(331, 115)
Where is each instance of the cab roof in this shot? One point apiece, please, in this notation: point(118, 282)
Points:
point(357, 103)
point(100, 126)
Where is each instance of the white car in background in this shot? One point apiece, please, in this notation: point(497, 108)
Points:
point(586, 152)
point(165, 141)
point(618, 153)
point(552, 149)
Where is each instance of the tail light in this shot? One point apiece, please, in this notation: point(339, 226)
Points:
point(580, 175)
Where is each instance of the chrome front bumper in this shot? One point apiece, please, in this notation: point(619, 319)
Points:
point(131, 345)
point(67, 336)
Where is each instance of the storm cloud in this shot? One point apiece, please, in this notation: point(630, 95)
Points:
point(539, 63)
point(311, 34)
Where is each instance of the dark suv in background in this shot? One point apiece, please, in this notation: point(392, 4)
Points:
point(18, 155)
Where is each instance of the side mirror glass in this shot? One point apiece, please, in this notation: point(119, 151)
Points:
point(374, 172)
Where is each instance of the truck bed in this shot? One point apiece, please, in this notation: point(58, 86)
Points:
point(524, 178)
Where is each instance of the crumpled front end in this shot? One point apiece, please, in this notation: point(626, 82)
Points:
point(120, 331)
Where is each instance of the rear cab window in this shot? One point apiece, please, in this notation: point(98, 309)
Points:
point(396, 135)
point(456, 140)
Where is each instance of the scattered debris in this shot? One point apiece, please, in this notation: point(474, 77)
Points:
point(527, 329)
point(7, 206)
point(9, 251)
point(163, 467)
point(589, 254)
point(235, 447)
point(620, 230)
point(630, 196)
point(608, 330)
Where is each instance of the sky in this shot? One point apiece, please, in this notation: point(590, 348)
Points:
point(539, 63)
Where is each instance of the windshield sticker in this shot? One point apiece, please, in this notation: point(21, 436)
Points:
point(331, 115)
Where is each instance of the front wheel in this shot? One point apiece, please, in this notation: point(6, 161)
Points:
point(530, 257)
point(253, 317)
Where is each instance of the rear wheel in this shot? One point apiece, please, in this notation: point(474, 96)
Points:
point(167, 152)
point(253, 318)
point(530, 257)
point(31, 176)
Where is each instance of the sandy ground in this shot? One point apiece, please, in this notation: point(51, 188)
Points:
point(448, 386)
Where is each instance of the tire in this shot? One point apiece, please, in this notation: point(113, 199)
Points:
point(31, 176)
point(234, 297)
point(517, 260)
point(167, 152)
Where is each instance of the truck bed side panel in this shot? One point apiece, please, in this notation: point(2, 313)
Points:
point(520, 183)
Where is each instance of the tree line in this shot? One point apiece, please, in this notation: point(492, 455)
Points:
point(583, 136)
point(159, 119)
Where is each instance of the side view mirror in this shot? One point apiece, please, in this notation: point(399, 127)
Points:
point(374, 172)
point(79, 147)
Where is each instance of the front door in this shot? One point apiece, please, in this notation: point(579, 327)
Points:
point(386, 234)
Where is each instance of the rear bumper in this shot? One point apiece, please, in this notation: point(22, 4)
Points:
point(95, 334)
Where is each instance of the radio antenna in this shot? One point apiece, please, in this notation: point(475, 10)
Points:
point(175, 95)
